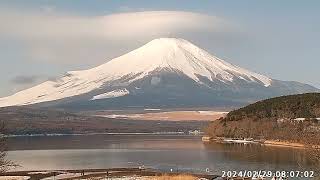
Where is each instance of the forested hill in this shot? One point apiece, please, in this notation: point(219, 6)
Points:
point(293, 106)
point(271, 119)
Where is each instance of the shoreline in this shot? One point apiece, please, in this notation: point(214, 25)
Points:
point(91, 134)
point(275, 143)
point(99, 173)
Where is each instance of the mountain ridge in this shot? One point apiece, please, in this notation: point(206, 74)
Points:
point(159, 60)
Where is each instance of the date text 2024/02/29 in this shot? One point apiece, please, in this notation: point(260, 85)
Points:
point(269, 174)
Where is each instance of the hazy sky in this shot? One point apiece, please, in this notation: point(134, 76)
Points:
point(43, 39)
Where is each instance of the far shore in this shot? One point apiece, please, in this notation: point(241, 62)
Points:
point(90, 134)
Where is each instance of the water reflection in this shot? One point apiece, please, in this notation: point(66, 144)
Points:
point(105, 142)
point(183, 153)
point(261, 153)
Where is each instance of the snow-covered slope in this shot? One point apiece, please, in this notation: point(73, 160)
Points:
point(176, 55)
point(112, 94)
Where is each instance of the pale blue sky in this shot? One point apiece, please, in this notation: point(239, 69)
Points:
point(42, 39)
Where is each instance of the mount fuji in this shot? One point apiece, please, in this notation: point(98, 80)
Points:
point(165, 72)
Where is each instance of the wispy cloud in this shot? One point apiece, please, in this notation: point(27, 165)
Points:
point(64, 38)
point(112, 27)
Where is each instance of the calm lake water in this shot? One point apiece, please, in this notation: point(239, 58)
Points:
point(163, 152)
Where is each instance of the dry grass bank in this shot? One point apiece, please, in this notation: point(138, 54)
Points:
point(176, 177)
point(284, 144)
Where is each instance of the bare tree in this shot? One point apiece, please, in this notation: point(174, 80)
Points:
point(5, 164)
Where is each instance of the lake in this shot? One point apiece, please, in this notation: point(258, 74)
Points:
point(162, 152)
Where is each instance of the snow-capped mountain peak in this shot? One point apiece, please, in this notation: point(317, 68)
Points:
point(174, 54)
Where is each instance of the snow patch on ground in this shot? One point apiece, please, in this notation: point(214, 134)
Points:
point(112, 94)
point(38, 172)
point(64, 176)
point(121, 116)
point(14, 177)
point(211, 112)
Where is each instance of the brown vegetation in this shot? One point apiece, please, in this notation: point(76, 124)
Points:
point(296, 132)
point(175, 177)
point(4, 163)
point(313, 147)
point(179, 116)
point(273, 119)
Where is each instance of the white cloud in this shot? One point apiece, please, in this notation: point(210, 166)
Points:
point(114, 26)
point(65, 38)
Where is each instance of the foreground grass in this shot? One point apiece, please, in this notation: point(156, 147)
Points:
point(177, 177)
